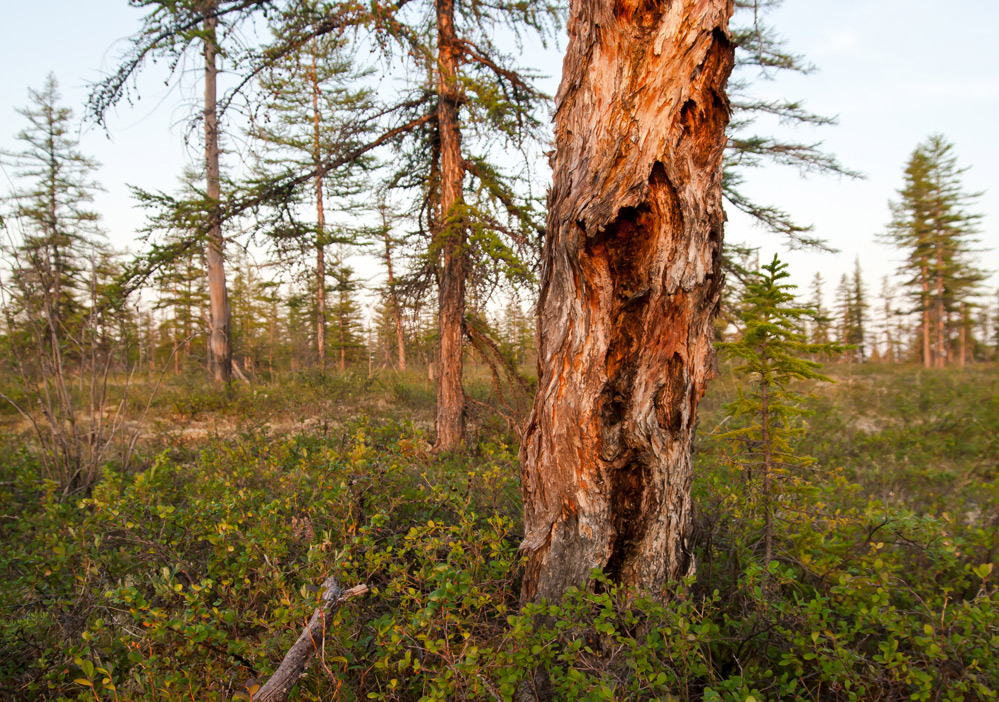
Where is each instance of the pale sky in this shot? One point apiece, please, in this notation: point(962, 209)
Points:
point(893, 71)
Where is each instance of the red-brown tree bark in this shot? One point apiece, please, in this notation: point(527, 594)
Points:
point(219, 342)
point(450, 238)
point(631, 281)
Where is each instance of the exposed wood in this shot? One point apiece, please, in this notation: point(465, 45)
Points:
point(631, 282)
point(219, 342)
point(309, 641)
point(450, 238)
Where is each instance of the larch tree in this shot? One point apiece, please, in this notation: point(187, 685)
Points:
point(219, 314)
point(630, 285)
point(770, 352)
point(345, 309)
point(760, 53)
point(56, 185)
point(477, 214)
point(173, 29)
point(858, 310)
point(390, 257)
point(820, 319)
point(933, 226)
point(313, 111)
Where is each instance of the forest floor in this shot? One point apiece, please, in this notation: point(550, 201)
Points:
point(188, 575)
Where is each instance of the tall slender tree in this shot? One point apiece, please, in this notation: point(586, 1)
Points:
point(770, 352)
point(858, 311)
point(393, 300)
point(219, 315)
point(478, 216)
point(56, 186)
point(630, 286)
point(820, 318)
point(313, 110)
point(933, 226)
point(174, 28)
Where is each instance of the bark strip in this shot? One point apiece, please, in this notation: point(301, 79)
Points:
point(631, 280)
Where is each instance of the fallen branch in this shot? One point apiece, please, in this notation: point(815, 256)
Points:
point(310, 640)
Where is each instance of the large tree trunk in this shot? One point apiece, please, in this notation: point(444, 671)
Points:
point(451, 238)
point(631, 283)
point(219, 343)
point(320, 221)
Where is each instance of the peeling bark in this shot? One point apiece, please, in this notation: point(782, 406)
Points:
point(631, 283)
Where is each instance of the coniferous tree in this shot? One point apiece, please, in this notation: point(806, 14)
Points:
point(858, 312)
point(820, 319)
point(345, 310)
point(393, 304)
point(312, 113)
point(249, 300)
point(844, 310)
point(480, 219)
point(771, 351)
point(931, 223)
point(181, 289)
point(760, 53)
point(60, 234)
point(889, 316)
point(174, 28)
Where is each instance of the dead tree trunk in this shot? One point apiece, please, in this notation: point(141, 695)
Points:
point(309, 642)
point(631, 283)
point(450, 238)
point(219, 343)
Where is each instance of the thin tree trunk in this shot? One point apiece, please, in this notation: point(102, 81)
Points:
point(343, 336)
point(927, 351)
point(220, 344)
point(272, 341)
point(942, 355)
point(152, 344)
point(768, 516)
point(964, 336)
point(450, 238)
point(393, 296)
point(320, 221)
point(631, 283)
point(176, 347)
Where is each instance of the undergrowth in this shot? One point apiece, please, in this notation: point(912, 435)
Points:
point(190, 578)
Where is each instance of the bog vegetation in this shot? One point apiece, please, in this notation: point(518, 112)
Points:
point(199, 436)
